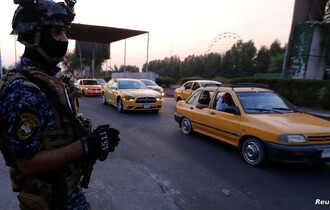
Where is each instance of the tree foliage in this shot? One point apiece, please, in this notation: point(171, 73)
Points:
point(241, 60)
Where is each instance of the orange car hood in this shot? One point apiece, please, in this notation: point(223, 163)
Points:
point(292, 122)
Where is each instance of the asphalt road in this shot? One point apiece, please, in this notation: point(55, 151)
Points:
point(155, 166)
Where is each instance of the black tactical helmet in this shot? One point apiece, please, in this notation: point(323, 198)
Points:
point(33, 15)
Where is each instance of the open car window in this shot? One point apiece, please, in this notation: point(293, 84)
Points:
point(194, 98)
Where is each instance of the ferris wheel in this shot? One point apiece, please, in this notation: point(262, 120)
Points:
point(223, 42)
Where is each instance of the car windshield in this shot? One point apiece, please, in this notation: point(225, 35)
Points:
point(149, 82)
point(210, 84)
point(101, 81)
point(130, 84)
point(90, 82)
point(264, 103)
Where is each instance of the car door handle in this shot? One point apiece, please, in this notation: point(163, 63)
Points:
point(191, 108)
point(212, 113)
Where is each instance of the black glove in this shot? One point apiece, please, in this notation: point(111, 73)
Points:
point(102, 141)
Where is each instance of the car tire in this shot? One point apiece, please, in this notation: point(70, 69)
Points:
point(254, 152)
point(186, 126)
point(120, 105)
point(104, 101)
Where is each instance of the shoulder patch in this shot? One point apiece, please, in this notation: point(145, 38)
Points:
point(30, 84)
point(27, 125)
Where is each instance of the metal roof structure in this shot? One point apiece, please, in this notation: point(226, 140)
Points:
point(100, 34)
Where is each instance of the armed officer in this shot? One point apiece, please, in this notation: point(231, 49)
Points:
point(45, 146)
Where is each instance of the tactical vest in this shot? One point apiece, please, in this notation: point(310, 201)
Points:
point(64, 134)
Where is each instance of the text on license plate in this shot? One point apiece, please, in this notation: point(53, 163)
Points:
point(325, 153)
point(146, 106)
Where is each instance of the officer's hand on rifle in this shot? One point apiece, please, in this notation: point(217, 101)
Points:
point(102, 141)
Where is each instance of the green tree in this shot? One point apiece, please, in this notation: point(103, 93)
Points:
point(238, 61)
point(129, 68)
point(275, 48)
point(212, 65)
point(276, 64)
point(72, 62)
point(169, 67)
point(262, 61)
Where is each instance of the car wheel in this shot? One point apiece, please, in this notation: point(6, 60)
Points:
point(186, 126)
point(120, 105)
point(253, 152)
point(104, 101)
point(179, 99)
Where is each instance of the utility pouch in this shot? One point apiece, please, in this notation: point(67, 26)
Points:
point(16, 179)
point(28, 201)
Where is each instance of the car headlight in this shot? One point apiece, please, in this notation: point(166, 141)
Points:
point(86, 88)
point(291, 139)
point(158, 98)
point(128, 98)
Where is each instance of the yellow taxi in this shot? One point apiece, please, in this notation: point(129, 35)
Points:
point(259, 122)
point(101, 82)
point(153, 85)
point(183, 92)
point(131, 94)
point(88, 87)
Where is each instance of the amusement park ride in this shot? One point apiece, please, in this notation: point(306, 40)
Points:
point(223, 42)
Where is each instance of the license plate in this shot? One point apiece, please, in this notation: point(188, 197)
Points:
point(146, 106)
point(325, 153)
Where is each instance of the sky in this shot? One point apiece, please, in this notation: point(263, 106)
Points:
point(176, 27)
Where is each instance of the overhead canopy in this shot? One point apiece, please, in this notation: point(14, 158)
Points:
point(100, 34)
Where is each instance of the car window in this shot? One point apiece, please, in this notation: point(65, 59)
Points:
point(194, 98)
point(90, 82)
point(187, 86)
point(264, 103)
point(131, 84)
point(196, 86)
point(100, 81)
point(113, 85)
point(225, 106)
point(149, 82)
point(210, 84)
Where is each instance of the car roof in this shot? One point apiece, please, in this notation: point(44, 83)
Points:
point(235, 88)
point(203, 81)
point(87, 79)
point(128, 79)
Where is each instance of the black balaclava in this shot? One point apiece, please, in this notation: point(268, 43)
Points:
point(52, 48)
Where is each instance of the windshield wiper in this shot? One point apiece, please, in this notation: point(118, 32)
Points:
point(261, 110)
point(284, 109)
